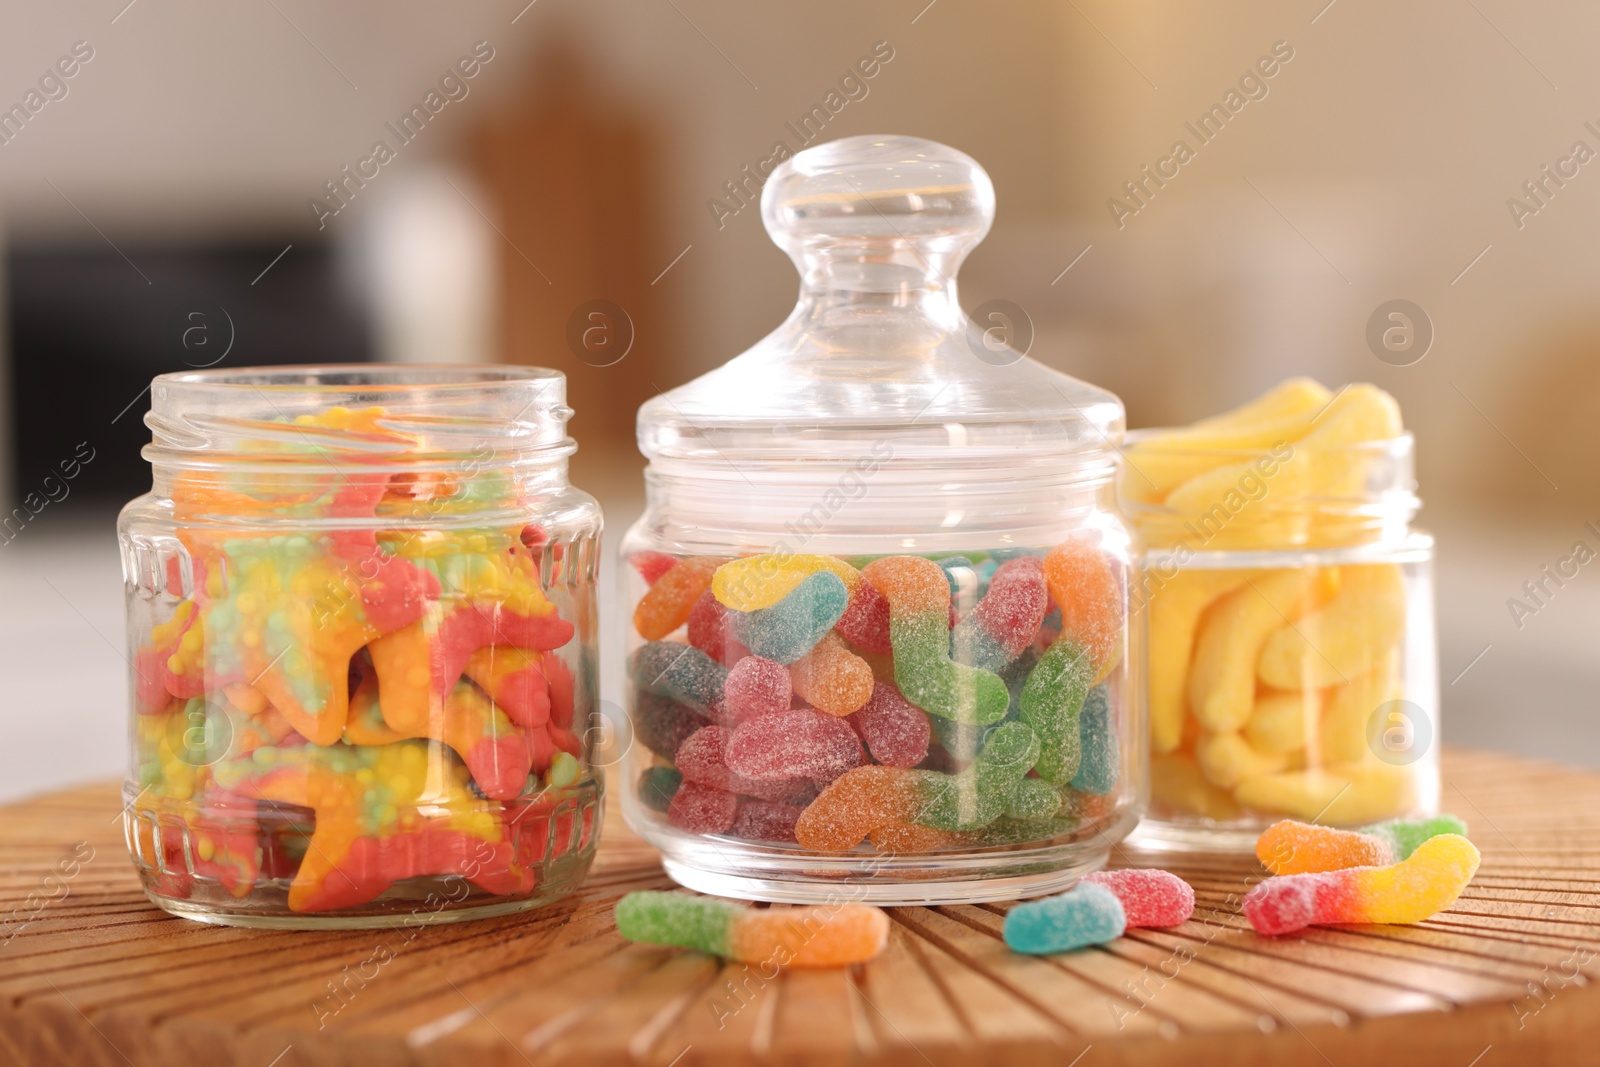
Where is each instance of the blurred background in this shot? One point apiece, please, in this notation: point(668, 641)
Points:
point(204, 188)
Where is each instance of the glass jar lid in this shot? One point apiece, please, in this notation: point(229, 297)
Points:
point(878, 349)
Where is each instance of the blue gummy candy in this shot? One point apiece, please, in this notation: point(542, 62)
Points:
point(1097, 729)
point(793, 626)
point(682, 672)
point(1086, 914)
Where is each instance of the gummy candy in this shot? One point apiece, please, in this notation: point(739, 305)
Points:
point(834, 936)
point(711, 631)
point(1344, 638)
point(662, 724)
point(1087, 588)
point(763, 820)
point(789, 629)
point(1032, 798)
point(1050, 703)
point(1288, 847)
point(672, 597)
point(652, 565)
point(1149, 897)
point(1007, 619)
point(861, 801)
point(978, 796)
point(759, 582)
point(1101, 758)
point(755, 686)
point(791, 744)
point(515, 681)
point(1174, 609)
point(703, 759)
point(1410, 891)
point(657, 786)
point(865, 622)
point(702, 809)
point(1087, 914)
point(1222, 682)
point(919, 604)
point(681, 672)
point(831, 678)
point(895, 732)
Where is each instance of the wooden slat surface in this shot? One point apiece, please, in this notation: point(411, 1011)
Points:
point(99, 976)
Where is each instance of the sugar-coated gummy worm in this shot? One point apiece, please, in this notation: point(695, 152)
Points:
point(1410, 891)
point(1289, 847)
point(1051, 699)
point(1149, 897)
point(1087, 914)
point(757, 582)
point(919, 612)
point(792, 627)
point(786, 937)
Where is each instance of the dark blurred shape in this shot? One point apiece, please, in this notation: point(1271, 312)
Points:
point(89, 331)
point(574, 173)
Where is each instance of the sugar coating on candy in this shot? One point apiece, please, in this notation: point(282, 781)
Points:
point(895, 731)
point(912, 837)
point(657, 786)
point(711, 631)
point(761, 820)
point(662, 724)
point(831, 678)
point(1100, 760)
point(1087, 914)
point(652, 565)
point(792, 744)
point(865, 622)
point(677, 919)
point(859, 802)
point(1289, 847)
point(978, 795)
point(667, 604)
point(703, 759)
point(792, 627)
point(835, 936)
point(1007, 619)
point(1032, 798)
point(755, 686)
point(919, 603)
point(679, 671)
point(1410, 891)
point(1050, 702)
point(1404, 835)
point(1086, 585)
point(1149, 897)
point(758, 582)
point(702, 809)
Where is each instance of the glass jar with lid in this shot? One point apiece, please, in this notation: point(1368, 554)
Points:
point(877, 602)
point(361, 626)
point(1293, 662)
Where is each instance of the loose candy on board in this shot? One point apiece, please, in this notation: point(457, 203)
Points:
point(1410, 891)
point(1087, 914)
point(826, 936)
point(1288, 847)
point(1149, 897)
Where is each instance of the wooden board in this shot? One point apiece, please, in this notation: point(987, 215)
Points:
point(92, 973)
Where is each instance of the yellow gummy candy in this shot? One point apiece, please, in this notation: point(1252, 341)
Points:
point(1222, 684)
point(1342, 733)
point(1162, 462)
point(1174, 610)
point(1256, 503)
point(1228, 759)
point(757, 582)
point(1340, 794)
point(1422, 885)
point(1176, 784)
point(1282, 722)
point(1346, 638)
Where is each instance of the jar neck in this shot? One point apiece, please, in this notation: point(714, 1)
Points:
point(872, 505)
point(907, 283)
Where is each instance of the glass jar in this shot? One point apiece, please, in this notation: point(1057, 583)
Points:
point(361, 627)
point(1292, 650)
point(876, 603)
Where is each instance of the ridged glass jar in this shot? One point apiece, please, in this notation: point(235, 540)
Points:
point(876, 604)
point(361, 631)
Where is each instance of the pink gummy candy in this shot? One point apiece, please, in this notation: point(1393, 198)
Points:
point(794, 743)
point(755, 687)
point(703, 809)
point(1150, 897)
point(895, 730)
point(711, 631)
point(652, 565)
point(865, 622)
point(761, 820)
point(703, 759)
point(1011, 611)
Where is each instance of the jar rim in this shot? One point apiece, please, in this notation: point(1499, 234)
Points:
point(367, 377)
